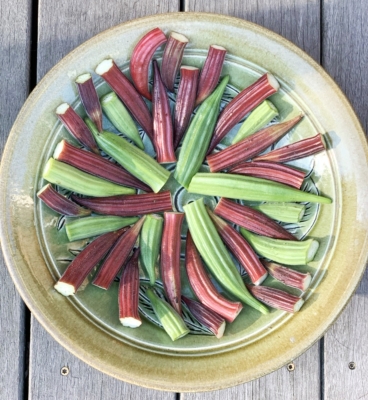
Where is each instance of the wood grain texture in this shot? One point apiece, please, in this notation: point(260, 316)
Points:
point(14, 86)
point(63, 25)
point(296, 20)
point(82, 382)
point(345, 56)
point(300, 384)
point(66, 24)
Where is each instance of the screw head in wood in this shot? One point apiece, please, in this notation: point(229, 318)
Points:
point(352, 365)
point(64, 371)
point(290, 367)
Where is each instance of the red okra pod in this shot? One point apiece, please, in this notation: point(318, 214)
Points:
point(241, 249)
point(128, 205)
point(294, 151)
point(210, 72)
point(85, 261)
point(171, 59)
point(185, 101)
point(214, 322)
point(141, 58)
point(288, 276)
point(170, 258)
point(250, 146)
point(271, 170)
point(203, 287)
point(129, 293)
point(60, 203)
point(117, 256)
point(276, 298)
point(162, 122)
point(96, 165)
point(252, 220)
point(76, 126)
point(240, 105)
point(128, 94)
point(90, 100)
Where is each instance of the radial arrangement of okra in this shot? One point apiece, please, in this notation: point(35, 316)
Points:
point(117, 197)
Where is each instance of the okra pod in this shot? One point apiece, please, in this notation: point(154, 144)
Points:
point(82, 228)
point(198, 136)
point(89, 97)
point(287, 252)
point(215, 254)
point(150, 241)
point(80, 182)
point(294, 151)
point(133, 159)
point(117, 256)
point(283, 212)
point(210, 72)
point(128, 94)
point(253, 220)
point(162, 123)
point(141, 58)
point(171, 321)
point(256, 120)
point(288, 276)
point(128, 205)
point(185, 101)
point(203, 287)
point(271, 170)
point(250, 146)
point(96, 165)
point(119, 116)
point(249, 188)
point(241, 250)
point(170, 258)
point(206, 317)
point(75, 125)
point(277, 298)
point(60, 203)
point(171, 59)
point(84, 263)
point(240, 105)
point(129, 293)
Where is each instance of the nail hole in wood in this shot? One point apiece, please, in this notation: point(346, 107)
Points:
point(290, 367)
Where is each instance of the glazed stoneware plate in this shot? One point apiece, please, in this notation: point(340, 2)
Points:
point(87, 324)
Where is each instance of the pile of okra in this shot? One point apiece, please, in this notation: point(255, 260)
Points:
point(119, 202)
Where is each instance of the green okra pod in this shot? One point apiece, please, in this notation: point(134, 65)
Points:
point(82, 228)
point(119, 116)
point(215, 254)
point(198, 136)
point(150, 241)
point(77, 181)
point(249, 188)
point(171, 321)
point(284, 212)
point(133, 159)
point(289, 252)
point(256, 120)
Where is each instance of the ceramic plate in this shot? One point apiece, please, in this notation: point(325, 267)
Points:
point(87, 324)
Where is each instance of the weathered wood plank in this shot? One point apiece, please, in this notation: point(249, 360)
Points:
point(344, 56)
point(62, 27)
point(302, 383)
point(298, 21)
point(14, 86)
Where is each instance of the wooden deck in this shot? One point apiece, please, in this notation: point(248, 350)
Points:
point(34, 36)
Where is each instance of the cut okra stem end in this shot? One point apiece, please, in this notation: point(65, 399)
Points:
point(66, 289)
